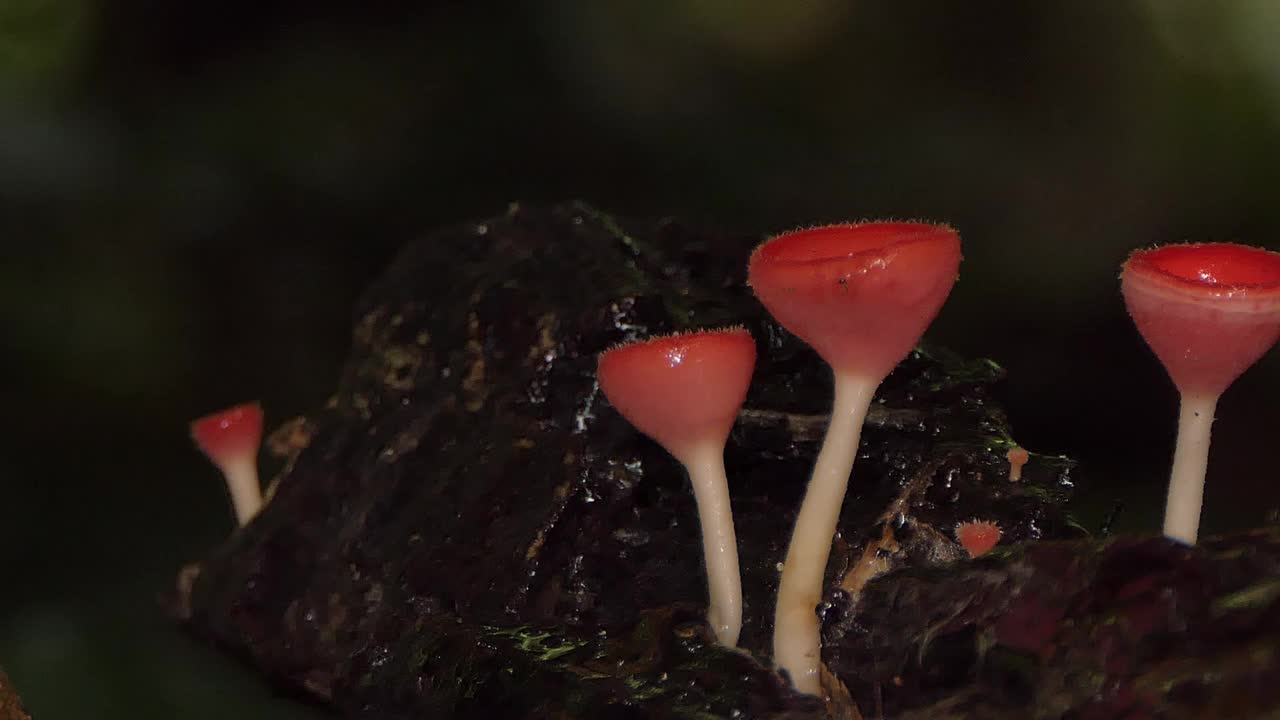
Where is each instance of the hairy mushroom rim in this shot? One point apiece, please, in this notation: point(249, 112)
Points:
point(978, 537)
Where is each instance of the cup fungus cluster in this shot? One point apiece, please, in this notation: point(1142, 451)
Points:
point(1208, 312)
point(861, 295)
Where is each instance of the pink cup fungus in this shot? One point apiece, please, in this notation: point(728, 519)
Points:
point(1208, 312)
point(978, 537)
point(861, 295)
point(231, 439)
point(685, 391)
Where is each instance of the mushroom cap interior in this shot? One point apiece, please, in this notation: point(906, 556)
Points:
point(1208, 311)
point(234, 431)
point(860, 294)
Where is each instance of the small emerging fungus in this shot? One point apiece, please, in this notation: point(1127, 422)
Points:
point(978, 537)
point(861, 295)
point(684, 391)
point(1017, 458)
point(231, 439)
point(1208, 311)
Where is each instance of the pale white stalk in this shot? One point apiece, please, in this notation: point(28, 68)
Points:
point(797, 645)
point(719, 544)
point(241, 473)
point(1190, 459)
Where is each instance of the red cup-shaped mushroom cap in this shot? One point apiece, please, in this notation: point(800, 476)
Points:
point(230, 433)
point(861, 295)
point(684, 391)
point(978, 537)
point(1208, 311)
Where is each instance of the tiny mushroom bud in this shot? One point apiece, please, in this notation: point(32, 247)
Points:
point(1208, 311)
point(1017, 457)
point(685, 391)
point(861, 295)
point(230, 439)
point(977, 537)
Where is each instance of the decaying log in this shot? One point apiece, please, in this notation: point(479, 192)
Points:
point(467, 529)
point(10, 704)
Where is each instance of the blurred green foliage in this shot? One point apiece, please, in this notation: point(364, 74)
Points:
point(40, 41)
point(193, 194)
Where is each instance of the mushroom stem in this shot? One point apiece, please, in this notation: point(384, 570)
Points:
point(1190, 459)
point(719, 544)
point(242, 482)
point(796, 637)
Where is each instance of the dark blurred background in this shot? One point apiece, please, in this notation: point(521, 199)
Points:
point(192, 194)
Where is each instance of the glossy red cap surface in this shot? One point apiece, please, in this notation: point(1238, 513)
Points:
point(861, 295)
point(684, 391)
point(1208, 311)
point(229, 433)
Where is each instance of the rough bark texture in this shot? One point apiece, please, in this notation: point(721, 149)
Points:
point(10, 704)
point(1129, 628)
point(467, 529)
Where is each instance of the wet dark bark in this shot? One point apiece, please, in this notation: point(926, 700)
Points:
point(10, 704)
point(467, 528)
